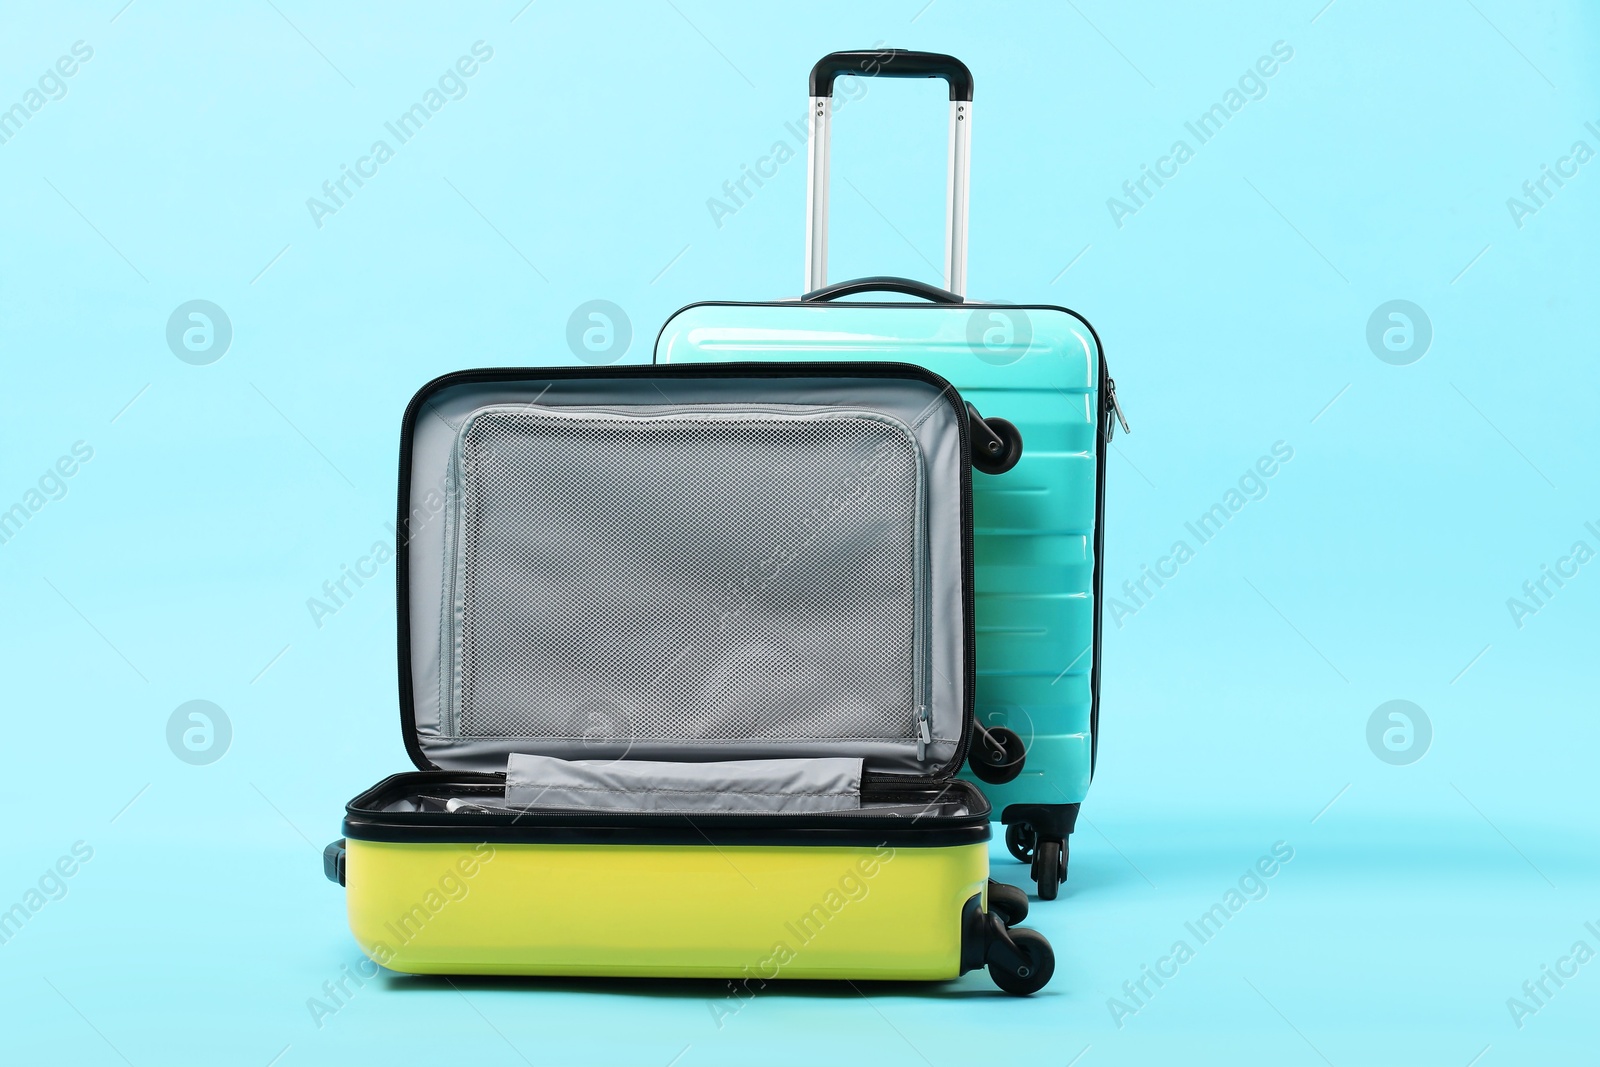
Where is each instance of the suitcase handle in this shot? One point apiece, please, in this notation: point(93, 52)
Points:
point(889, 63)
point(892, 63)
point(333, 861)
point(881, 283)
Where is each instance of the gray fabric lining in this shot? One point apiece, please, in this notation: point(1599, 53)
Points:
point(699, 574)
point(434, 531)
point(773, 786)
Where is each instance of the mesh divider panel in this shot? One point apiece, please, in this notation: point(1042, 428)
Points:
point(687, 578)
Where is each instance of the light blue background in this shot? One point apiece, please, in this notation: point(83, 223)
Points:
point(1233, 307)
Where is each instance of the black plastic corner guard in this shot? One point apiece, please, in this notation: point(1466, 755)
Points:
point(1052, 822)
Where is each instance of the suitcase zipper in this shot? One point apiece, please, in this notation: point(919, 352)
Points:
point(1114, 408)
point(923, 721)
point(449, 680)
point(921, 715)
point(1111, 407)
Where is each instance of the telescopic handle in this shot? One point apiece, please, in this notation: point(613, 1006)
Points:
point(889, 63)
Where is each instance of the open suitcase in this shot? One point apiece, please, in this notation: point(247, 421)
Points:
point(686, 669)
point(1038, 528)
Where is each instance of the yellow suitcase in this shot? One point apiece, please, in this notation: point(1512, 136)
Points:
point(689, 648)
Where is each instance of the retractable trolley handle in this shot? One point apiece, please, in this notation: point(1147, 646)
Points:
point(889, 63)
point(892, 63)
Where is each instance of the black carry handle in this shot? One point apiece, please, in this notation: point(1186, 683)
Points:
point(881, 283)
point(892, 63)
point(333, 861)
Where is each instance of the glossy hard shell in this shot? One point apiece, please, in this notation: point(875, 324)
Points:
point(731, 911)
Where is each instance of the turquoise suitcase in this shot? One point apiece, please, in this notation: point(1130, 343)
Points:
point(1042, 408)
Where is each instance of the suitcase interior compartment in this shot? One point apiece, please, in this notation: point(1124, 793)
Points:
point(687, 565)
point(666, 574)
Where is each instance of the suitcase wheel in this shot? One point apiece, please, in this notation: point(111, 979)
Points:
point(996, 443)
point(1020, 840)
point(996, 755)
point(1008, 902)
point(1023, 963)
point(1050, 867)
point(1020, 961)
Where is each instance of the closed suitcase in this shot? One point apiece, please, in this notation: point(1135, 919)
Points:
point(1037, 372)
point(685, 670)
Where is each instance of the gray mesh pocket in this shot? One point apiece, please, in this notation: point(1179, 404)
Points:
point(700, 576)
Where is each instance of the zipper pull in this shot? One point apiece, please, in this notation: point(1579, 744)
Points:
point(924, 725)
point(1115, 408)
